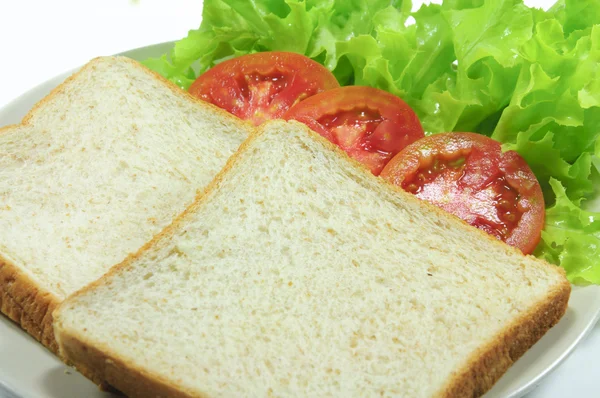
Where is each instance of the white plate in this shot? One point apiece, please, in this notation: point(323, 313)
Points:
point(29, 370)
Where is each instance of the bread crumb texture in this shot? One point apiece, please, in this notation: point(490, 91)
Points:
point(299, 274)
point(99, 167)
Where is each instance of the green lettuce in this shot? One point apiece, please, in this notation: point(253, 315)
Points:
point(571, 238)
point(528, 78)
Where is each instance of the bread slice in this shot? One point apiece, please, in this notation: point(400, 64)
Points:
point(94, 171)
point(299, 273)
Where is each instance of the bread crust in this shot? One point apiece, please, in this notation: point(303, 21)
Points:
point(28, 304)
point(100, 367)
point(479, 374)
point(22, 298)
point(485, 366)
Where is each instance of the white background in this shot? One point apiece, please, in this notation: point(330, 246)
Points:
point(40, 39)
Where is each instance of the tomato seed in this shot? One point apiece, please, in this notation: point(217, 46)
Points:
point(412, 188)
point(503, 203)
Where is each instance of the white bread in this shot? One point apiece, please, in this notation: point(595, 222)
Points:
point(94, 171)
point(298, 273)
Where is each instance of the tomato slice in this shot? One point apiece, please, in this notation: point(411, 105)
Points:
point(370, 124)
point(262, 86)
point(468, 175)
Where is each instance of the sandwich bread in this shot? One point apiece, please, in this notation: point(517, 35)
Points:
point(299, 273)
point(94, 171)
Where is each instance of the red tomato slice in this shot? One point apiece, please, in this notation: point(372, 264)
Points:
point(468, 175)
point(262, 86)
point(371, 125)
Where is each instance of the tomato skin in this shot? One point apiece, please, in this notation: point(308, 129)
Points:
point(468, 175)
point(262, 86)
point(532, 222)
point(370, 124)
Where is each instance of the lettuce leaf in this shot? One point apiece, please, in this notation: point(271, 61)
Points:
point(553, 117)
point(529, 78)
point(231, 28)
point(571, 238)
point(577, 14)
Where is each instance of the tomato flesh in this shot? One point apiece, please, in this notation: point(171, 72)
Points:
point(262, 86)
point(369, 124)
point(349, 126)
point(258, 96)
point(469, 176)
point(356, 133)
point(505, 203)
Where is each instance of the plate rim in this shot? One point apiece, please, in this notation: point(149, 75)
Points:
point(531, 384)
